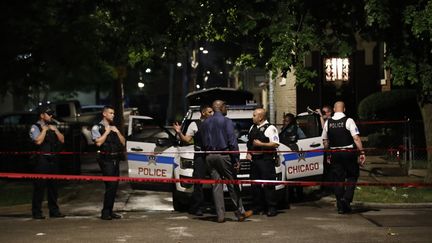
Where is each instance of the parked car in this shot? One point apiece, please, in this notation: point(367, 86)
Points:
point(155, 153)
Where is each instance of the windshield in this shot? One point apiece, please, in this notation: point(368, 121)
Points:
point(147, 130)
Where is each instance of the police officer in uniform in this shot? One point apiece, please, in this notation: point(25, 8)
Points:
point(48, 140)
point(111, 144)
point(262, 144)
point(341, 136)
point(200, 169)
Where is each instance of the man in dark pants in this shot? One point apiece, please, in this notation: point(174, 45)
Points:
point(111, 143)
point(262, 144)
point(341, 136)
point(218, 139)
point(48, 140)
point(200, 169)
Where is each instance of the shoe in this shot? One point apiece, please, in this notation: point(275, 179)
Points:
point(343, 207)
point(196, 213)
point(245, 215)
point(38, 216)
point(271, 212)
point(116, 216)
point(57, 215)
point(106, 217)
point(221, 220)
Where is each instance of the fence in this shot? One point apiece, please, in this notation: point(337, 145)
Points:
point(401, 141)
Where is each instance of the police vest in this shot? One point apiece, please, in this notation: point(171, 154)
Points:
point(112, 143)
point(50, 143)
point(338, 135)
point(259, 133)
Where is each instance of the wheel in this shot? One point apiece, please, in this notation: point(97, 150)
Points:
point(179, 201)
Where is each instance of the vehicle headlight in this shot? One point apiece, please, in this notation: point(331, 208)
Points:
point(186, 163)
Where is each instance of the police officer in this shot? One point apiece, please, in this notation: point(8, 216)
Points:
point(48, 140)
point(341, 136)
point(111, 143)
point(200, 169)
point(262, 144)
point(291, 132)
point(218, 138)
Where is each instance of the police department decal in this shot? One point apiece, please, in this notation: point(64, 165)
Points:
point(301, 155)
point(151, 160)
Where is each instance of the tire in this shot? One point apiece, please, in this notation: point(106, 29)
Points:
point(180, 201)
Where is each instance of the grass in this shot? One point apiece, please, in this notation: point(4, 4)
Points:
point(393, 194)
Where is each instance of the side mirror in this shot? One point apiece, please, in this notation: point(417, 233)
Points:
point(163, 142)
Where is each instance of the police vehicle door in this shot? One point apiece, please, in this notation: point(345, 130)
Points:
point(150, 150)
point(308, 159)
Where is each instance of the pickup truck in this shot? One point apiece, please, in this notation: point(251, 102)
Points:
point(154, 152)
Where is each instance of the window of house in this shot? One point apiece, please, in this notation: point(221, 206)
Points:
point(336, 69)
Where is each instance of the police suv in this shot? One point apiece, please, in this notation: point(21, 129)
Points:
point(154, 152)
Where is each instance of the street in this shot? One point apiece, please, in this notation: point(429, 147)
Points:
point(149, 217)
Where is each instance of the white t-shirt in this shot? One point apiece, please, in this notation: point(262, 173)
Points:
point(192, 129)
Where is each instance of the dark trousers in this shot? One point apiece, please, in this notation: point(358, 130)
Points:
point(263, 168)
point(345, 168)
point(200, 171)
point(109, 167)
point(45, 164)
point(220, 167)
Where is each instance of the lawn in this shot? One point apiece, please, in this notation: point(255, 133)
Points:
point(393, 194)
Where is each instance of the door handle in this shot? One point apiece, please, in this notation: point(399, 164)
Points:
point(137, 149)
point(314, 145)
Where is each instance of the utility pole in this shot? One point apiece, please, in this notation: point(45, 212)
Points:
point(271, 99)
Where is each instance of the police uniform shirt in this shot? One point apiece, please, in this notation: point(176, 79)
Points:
point(95, 131)
point(35, 131)
point(350, 125)
point(271, 132)
point(192, 129)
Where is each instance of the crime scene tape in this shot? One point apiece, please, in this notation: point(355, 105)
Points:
point(217, 152)
point(204, 181)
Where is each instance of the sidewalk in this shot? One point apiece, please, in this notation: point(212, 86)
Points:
point(378, 170)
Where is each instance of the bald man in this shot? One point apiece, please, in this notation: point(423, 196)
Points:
point(262, 145)
point(341, 136)
point(219, 138)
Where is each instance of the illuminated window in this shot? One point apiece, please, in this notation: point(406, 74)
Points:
point(336, 69)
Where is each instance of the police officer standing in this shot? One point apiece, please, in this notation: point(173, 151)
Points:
point(200, 169)
point(262, 145)
point(48, 140)
point(219, 139)
point(111, 143)
point(341, 136)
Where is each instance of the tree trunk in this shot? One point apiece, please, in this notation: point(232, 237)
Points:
point(118, 95)
point(426, 111)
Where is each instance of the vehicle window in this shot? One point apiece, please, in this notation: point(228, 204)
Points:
point(310, 125)
point(147, 130)
point(62, 110)
point(11, 120)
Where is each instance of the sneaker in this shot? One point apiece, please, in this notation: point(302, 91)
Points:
point(116, 216)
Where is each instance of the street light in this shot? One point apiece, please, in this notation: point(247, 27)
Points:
point(141, 85)
point(148, 70)
point(179, 64)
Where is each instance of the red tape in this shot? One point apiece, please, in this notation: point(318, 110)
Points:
point(203, 181)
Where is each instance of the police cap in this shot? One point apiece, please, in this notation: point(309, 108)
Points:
point(45, 109)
